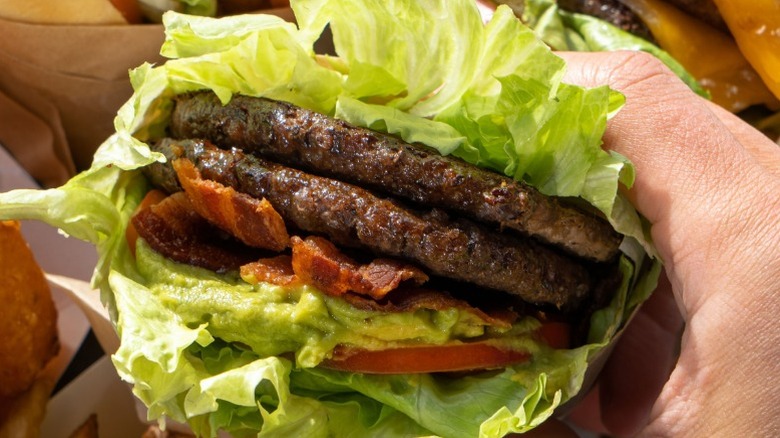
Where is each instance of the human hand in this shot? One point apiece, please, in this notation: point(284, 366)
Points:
point(710, 185)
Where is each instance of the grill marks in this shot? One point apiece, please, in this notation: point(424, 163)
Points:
point(304, 139)
point(354, 217)
point(293, 169)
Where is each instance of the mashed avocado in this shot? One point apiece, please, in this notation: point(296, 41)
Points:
point(272, 320)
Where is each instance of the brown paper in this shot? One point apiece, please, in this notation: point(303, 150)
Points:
point(60, 88)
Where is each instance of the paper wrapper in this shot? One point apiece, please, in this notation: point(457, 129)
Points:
point(60, 88)
point(98, 390)
point(88, 300)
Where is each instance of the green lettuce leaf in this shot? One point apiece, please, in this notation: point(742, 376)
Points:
point(427, 71)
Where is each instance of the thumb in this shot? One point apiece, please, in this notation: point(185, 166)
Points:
point(695, 177)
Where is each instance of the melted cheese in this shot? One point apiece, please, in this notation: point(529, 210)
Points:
point(755, 25)
point(710, 55)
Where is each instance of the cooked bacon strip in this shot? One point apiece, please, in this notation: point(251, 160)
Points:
point(174, 229)
point(401, 298)
point(318, 262)
point(152, 197)
point(275, 270)
point(252, 221)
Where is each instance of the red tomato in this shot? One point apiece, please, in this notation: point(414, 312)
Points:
point(425, 359)
point(441, 358)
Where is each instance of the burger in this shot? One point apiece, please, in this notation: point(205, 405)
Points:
point(417, 234)
point(723, 49)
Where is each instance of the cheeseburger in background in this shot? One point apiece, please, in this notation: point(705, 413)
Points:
point(730, 48)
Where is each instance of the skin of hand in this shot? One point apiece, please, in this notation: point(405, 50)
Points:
point(702, 357)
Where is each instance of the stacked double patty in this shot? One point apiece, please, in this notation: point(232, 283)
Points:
point(368, 190)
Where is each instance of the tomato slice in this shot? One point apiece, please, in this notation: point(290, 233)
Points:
point(424, 359)
point(441, 358)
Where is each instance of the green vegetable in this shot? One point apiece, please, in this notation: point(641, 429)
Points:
point(424, 70)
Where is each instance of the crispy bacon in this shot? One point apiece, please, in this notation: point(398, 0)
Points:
point(252, 221)
point(318, 262)
point(174, 229)
point(336, 274)
point(275, 270)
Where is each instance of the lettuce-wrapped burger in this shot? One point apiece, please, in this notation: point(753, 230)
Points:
point(417, 234)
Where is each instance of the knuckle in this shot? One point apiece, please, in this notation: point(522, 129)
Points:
point(637, 68)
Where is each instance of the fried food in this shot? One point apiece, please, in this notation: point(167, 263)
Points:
point(28, 333)
point(23, 415)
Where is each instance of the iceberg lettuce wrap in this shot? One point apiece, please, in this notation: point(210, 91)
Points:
point(222, 351)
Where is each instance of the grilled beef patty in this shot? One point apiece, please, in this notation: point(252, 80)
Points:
point(323, 145)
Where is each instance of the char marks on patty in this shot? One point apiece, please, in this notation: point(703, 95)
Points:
point(322, 145)
point(354, 217)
